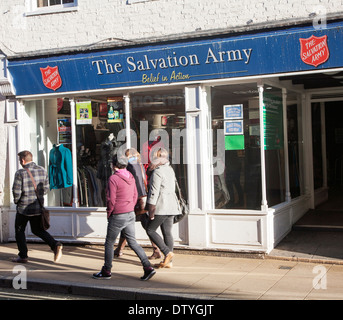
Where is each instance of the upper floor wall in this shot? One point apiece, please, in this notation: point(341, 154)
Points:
point(86, 24)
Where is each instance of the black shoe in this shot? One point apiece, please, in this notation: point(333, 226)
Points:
point(148, 273)
point(20, 260)
point(103, 274)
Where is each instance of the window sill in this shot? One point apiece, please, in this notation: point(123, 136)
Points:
point(50, 11)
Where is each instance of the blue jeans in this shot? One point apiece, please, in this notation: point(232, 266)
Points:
point(124, 223)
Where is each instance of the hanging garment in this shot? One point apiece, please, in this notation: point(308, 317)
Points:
point(60, 167)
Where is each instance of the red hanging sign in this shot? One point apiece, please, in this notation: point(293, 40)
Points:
point(51, 77)
point(314, 50)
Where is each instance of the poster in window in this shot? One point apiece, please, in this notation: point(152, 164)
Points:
point(64, 131)
point(233, 111)
point(234, 142)
point(103, 110)
point(83, 112)
point(273, 122)
point(233, 127)
point(115, 107)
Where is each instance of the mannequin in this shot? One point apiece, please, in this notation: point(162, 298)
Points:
point(109, 148)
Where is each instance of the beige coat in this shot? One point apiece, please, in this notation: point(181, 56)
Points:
point(162, 191)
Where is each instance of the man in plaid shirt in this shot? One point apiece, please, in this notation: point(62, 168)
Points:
point(28, 207)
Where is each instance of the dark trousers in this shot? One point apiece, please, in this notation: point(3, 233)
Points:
point(166, 244)
point(36, 228)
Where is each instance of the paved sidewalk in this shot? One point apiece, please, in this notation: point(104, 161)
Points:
point(324, 246)
point(194, 276)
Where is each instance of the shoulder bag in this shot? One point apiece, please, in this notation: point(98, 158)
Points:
point(45, 213)
point(183, 204)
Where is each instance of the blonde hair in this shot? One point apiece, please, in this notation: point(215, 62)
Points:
point(132, 152)
point(160, 153)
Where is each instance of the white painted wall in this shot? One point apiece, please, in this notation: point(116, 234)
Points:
point(97, 21)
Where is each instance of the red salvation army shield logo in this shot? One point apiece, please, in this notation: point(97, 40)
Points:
point(314, 50)
point(51, 77)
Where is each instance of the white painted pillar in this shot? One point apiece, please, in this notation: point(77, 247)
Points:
point(308, 148)
point(285, 144)
point(197, 219)
point(127, 120)
point(74, 152)
point(264, 205)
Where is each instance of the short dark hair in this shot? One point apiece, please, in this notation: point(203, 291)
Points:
point(25, 155)
point(120, 162)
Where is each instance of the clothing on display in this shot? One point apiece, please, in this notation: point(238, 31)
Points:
point(60, 167)
point(90, 187)
point(96, 148)
point(107, 151)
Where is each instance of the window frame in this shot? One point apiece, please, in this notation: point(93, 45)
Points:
point(129, 2)
point(60, 8)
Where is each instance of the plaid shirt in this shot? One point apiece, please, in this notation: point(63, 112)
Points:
point(24, 192)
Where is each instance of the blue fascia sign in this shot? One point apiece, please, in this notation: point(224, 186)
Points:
point(289, 50)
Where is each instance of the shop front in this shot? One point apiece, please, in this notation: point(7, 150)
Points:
point(238, 136)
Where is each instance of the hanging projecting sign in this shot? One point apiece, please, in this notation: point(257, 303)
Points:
point(288, 50)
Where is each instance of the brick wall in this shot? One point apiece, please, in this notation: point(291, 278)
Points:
point(95, 21)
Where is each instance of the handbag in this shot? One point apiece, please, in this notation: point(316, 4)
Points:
point(182, 203)
point(141, 206)
point(45, 213)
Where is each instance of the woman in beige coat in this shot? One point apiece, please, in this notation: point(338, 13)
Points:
point(163, 204)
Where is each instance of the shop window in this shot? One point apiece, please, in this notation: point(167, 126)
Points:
point(45, 121)
point(295, 145)
point(236, 135)
point(98, 123)
point(274, 145)
point(158, 120)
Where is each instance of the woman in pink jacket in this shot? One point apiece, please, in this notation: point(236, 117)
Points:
point(121, 199)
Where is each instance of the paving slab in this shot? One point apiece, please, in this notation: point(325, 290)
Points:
point(195, 277)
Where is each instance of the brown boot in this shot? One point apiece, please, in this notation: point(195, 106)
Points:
point(155, 255)
point(167, 260)
point(157, 252)
point(161, 265)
